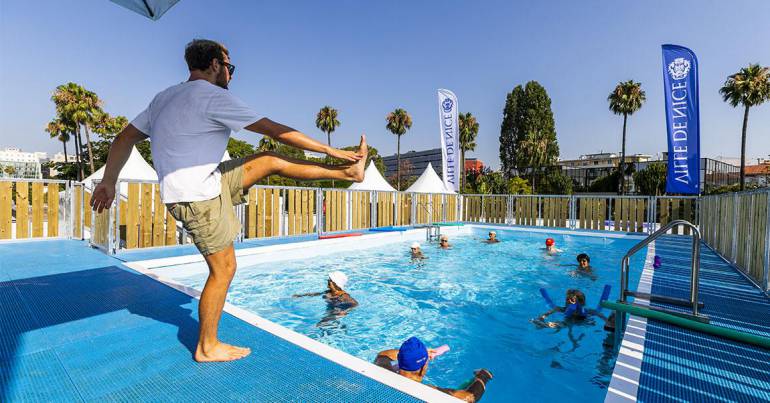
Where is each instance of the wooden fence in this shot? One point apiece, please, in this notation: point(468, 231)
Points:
point(737, 225)
point(33, 209)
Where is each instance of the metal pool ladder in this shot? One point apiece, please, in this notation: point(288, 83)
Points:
point(620, 318)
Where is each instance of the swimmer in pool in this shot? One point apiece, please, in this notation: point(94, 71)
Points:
point(574, 309)
point(336, 297)
point(411, 361)
point(443, 242)
point(550, 247)
point(416, 251)
point(492, 237)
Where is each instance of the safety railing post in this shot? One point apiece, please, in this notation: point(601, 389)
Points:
point(319, 213)
point(766, 260)
point(483, 217)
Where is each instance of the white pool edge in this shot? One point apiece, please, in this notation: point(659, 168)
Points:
point(624, 384)
point(386, 377)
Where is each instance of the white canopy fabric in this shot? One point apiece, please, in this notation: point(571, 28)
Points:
point(429, 182)
point(136, 168)
point(373, 180)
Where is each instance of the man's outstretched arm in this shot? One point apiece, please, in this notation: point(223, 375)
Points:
point(120, 150)
point(289, 136)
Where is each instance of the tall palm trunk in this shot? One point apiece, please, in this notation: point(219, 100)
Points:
point(623, 159)
point(78, 154)
point(398, 167)
point(743, 147)
point(64, 144)
point(90, 150)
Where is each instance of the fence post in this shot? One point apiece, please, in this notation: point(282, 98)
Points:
point(372, 209)
point(413, 209)
point(483, 217)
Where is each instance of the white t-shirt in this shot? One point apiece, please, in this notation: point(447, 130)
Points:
point(189, 125)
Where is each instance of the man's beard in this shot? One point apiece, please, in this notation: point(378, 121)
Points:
point(222, 80)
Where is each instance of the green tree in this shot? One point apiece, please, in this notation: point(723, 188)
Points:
point(528, 132)
point(61, 130)
point(651, 181)
point(267, 144)
point(399, 121)
point(606, 183)
point(625, 99)
point(748, 87)
point(519, 186)
point(469, 129)
point(555, 182)
point(80, 106)
point(108, 127)
point(239, 148)
point(327, 121)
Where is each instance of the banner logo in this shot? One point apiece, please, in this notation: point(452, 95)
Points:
point(447, 105)
point(679, 68)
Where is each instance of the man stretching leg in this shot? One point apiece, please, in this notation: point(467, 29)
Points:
point(189, 125)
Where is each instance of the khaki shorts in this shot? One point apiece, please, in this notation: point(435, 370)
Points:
point(212, 224)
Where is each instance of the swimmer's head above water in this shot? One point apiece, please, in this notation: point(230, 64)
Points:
point(583, 260)
point(337, 281)
point(550, 244)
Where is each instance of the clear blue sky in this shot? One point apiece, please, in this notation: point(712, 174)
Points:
point(366, 58)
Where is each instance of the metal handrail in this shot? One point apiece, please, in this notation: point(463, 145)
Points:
point(695, 269)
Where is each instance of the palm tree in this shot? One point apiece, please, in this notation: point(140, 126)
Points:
point(626, 99)
point(267, 144)
point(61, 131)
point(80, 106)
point(469, 129)
point(748, 87)
point(327, 121)
point(399, 122)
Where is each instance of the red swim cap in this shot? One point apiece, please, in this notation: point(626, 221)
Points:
point(549, 242)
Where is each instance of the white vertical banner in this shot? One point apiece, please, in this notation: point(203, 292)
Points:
point(450, 145)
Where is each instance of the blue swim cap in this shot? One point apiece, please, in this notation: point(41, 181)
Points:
point(412, 355)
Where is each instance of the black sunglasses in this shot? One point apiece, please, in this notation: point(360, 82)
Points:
point(230, 67)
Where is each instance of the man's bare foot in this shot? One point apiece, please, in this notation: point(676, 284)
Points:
point(220, 352)
point(357, 170)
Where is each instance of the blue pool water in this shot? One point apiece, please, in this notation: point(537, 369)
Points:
point(477, 298)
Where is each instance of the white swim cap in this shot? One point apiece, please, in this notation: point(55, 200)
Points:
point(339, 278)
point(416, 245)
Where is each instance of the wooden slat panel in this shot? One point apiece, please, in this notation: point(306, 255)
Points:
point(87, 209)
point(37, 209)
point(276, 212)
point(311, 212)
point(251, 214)
point(22, 210)
point(6, 208)
point(640, 204)
point(675, 213)
point(618, 214)
point(158, 215)
point(77, 215)
point(303, 209)
point(53, 210)
point(291, 215)
point(687, 204)
point(145, 220)
point(261, 212)
point(132, 216)
point(602, 214)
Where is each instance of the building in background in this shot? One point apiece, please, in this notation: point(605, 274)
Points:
point(473, 164)
point(15, 163)
point(758, 175)
point(417, 162)
point(590, 167)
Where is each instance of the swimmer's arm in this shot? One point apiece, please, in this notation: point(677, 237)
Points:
point(390, 355)
point(554, 310)
point(295, 138)
point(309, 294)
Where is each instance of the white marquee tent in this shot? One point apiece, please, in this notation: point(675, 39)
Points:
point(429, 182)
point(136, 168)
point(373, 180)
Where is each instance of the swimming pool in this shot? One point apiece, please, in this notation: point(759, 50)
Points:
point(477, 298)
